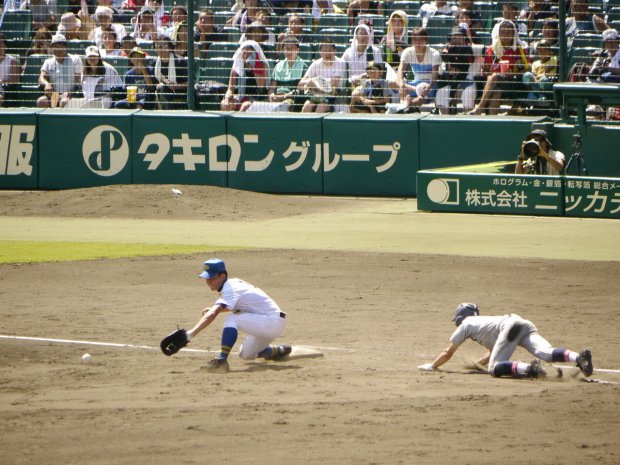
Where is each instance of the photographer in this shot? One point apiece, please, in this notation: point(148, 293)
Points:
point(538, 157)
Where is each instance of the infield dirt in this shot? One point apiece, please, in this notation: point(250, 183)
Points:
point(375, 315)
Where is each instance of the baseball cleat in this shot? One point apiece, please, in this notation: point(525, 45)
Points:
point(536, 370)
point(217, 365)
point(584, 362)
point(281, 352)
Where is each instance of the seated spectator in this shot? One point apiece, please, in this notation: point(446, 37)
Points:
point(323, 80)
point(536, 10)
point(285, 78)
point(465, 20)
point(284, 7)
point(360, 53)
point(44, 12)
point(580, 20)
point(476, 22)
point(171, 76)
point(606, 67)
point(322, 7)
point(364, 7)
point(71, 27)
point(99, 80)
point(135, 5)
point(142, 76)
point(503, 83)
point(374, 93)
point(108, 4)
point(103, 18)
point(510, 12)
point(437, 7)
point(539, 158)
point(41, 43)
point(294, 29)
point(178, 15)
point(457, 57)
point(128, 43)
point(60, 75)
point(245, 16)
point(205, 32)
point(423, 61)
point(162, 20)
point(396, 37)
point(179, 40)
point(544, 72)
point(549, 33)
point(259, 33)
point(249, 77)
point(145, 28)
point(9, 72)
point(110, 44)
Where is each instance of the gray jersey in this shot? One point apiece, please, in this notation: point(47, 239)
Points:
point(484, 330)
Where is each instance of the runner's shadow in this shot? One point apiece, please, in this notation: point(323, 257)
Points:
point(251, 367)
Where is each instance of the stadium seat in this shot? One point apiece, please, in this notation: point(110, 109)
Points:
point(438, 28)
point(78, 47)
point(613, 14)
point(306, 53)
point(30, 90)
point(216, 69)
point(17, 24)
point(221, 17)
point(124, 17)
point(232, 33)
point(338, 35)
point(587, 40)
point(582, 54)
point(411, 7)
point(121, 64)
point(222, 49)
point(334, 20)
point(18, 47)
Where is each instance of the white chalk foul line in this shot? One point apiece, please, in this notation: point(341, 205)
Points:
point(133, 346)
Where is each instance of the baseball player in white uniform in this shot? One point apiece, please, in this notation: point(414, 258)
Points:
point(501, 335)
point(249, 310)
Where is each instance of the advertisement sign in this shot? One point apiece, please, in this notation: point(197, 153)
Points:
point(18, 149)
point(180, 147)
point(84, 148)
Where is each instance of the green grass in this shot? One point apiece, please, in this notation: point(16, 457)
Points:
point(29, 251)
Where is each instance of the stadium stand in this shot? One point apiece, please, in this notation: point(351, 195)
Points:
point(215, 64)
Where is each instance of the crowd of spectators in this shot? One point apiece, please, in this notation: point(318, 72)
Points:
point(364, 56)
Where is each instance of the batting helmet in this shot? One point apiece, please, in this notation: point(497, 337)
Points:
point(463, 311)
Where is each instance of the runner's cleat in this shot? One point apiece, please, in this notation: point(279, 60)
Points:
point(217, 365)
point(536, 370)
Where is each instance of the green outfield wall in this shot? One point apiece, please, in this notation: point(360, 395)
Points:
point(280, 153)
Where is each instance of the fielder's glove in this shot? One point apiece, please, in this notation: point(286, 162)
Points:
point(174, 342)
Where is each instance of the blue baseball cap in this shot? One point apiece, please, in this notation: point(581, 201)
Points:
point(212, 268)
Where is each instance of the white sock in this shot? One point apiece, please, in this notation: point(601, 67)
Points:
point(523, 368)
point(572, 356)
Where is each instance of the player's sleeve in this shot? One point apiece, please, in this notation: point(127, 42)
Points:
point(459, 336)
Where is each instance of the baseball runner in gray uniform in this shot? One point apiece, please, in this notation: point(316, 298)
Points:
point(501, 335)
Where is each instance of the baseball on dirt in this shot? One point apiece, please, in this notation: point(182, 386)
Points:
point(87, 357)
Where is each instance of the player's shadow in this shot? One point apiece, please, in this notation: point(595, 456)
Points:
point(252, 367)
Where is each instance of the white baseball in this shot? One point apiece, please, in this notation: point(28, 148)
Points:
point(87, 357)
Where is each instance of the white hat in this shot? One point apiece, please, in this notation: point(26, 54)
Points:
point(610, 34)
point(69, 22)
point(92, 51)
point(58, 38)
point(104, 11)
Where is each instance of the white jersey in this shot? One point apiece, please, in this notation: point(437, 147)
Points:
point(240, 296)
point(482, 329)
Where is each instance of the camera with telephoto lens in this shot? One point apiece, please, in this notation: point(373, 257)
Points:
point(531, 149)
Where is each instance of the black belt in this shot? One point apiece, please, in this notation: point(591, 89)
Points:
point(282, 315)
